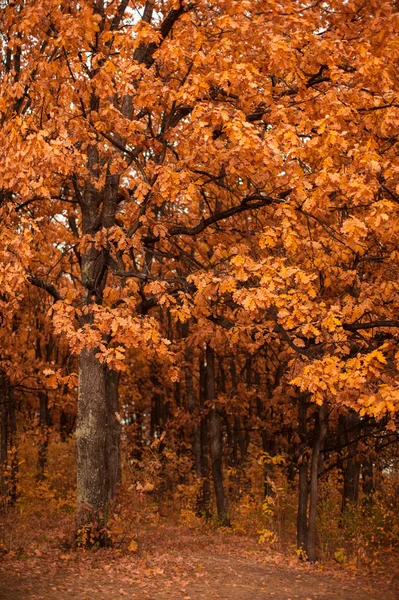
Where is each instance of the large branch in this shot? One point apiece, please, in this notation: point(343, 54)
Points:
point(145, 52)
point(369, 325)
point(119, 14)
point(44, 285)
point(246, 204)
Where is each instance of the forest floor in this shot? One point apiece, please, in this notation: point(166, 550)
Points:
point(175, 563)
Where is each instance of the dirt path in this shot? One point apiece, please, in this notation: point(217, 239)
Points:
point(185, 568)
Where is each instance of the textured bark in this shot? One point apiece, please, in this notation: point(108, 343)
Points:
point(215, 438)
point(91, 445)
point(314, 472)
point(93, 440)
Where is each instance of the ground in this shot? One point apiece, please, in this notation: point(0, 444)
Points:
point(177, 564)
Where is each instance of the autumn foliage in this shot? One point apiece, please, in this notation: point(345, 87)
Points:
point(199, 261)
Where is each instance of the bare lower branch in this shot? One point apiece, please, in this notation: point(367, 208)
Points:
point(48, 287)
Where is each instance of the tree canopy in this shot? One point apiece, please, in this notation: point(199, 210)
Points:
point(199, 204)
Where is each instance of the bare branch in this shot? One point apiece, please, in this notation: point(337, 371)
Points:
point(369, 325)
point(250, 202)
point(48, 287)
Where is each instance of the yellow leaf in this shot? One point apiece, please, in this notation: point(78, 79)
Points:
point(133, 546)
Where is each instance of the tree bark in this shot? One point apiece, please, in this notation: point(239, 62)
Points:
point(3, 434)
point(91, 446)
point(239, 441)
point(351, 465)
point(368, 479)
point(314, 472)
point(44, 424)
point(204, 496)
point(215, 437)
point(114, 464)
point(303, 488)
point(192, 403)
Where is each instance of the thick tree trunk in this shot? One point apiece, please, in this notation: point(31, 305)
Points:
point(91, 445)
point(314, 472)
point(215, 438)
point(114, 465)
point(303, 487)
point(95, 433)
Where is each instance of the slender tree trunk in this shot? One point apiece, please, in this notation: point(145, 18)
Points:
point(12, 408)
point(3, 434)
point(368, 479)
point(44, 424)
point(114, 465)
point(67, 423)
point(91, 444)
point(204, 498)
point(215, 437)
point(351, 483)
point(192, 402)
point(268, 447)
point(239, 441)
point(314, 472)
point(351, 465)
point(303, 488)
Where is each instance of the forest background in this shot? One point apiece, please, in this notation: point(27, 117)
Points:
point(199, 272)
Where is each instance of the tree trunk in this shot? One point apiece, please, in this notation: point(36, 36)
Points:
point(303, 489)
point(3, 434)
point(239, 441)
point(67, 423)
point(351, 465)
point(268, 447)
point(114, 465)
point(204, 497)
point(368, 479)
point(314, 472)
point(91, 446)
point(44, 423)
point(192, 403)
point(351, 483)
point(215, 437)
